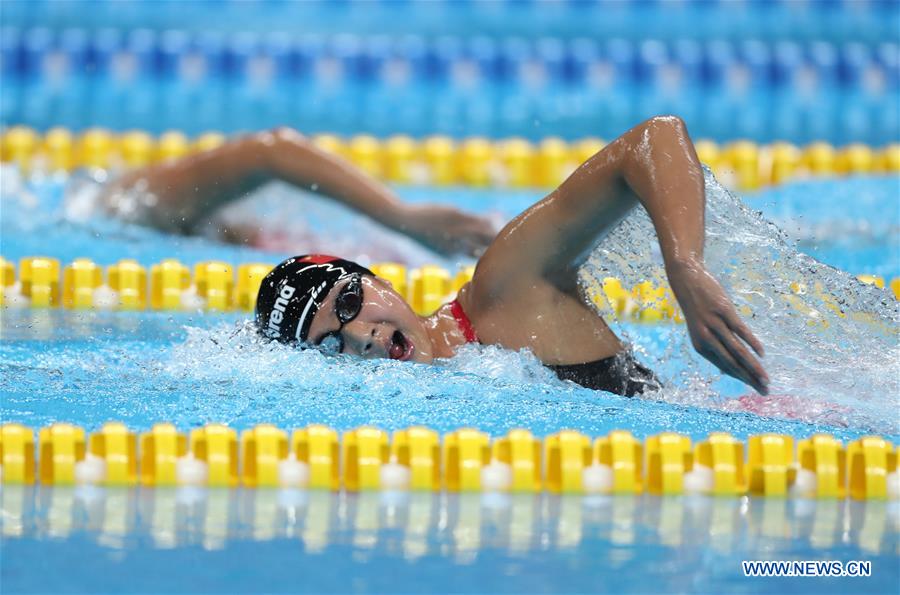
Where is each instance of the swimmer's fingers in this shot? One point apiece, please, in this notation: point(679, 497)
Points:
point(750, 370)
point(463, 234)
point(454, 246)
point(708, 344)
point(726, 363)
point(740, 328)
point(719, 356)
point(719, 359)
point(733, 329)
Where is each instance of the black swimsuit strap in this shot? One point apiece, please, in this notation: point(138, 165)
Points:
point(620, 374)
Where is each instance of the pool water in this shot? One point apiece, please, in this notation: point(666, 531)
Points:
point(141, 369)
point(77, 540)
point(852, 224)
point(194, 368)
point(212, 367)
point(799, 71)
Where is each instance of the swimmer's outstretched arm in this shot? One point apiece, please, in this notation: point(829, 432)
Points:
point(653, 164)
point(189, 190)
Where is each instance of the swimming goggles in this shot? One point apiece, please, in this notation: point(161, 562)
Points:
point(347, 306)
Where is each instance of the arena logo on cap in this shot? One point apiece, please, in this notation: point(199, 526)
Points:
point(277, 315)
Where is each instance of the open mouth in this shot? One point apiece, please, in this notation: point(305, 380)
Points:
point(401, 348)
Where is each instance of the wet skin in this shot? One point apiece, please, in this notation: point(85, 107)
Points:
point(525, 293)
point(384, 313)
point(183, 195)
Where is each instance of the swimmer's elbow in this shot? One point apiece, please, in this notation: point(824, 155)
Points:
point(277, 150)
point(653, 143)
point(667, 125)
point(282, 136)
point(286, 135)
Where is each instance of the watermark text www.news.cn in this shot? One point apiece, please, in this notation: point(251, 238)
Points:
point(806, 568)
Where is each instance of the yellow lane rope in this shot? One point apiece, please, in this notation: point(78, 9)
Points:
point(464, 460)
point(442, 161)
point(217, 286)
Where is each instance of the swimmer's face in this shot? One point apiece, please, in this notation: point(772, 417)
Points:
point(385, 327)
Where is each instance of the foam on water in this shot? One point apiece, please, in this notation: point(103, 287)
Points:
point(90, 367)
point(833, 343)
point(295, 381)
point(829, 338)
point(250, 379)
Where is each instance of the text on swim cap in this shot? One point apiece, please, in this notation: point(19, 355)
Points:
point(281, 302)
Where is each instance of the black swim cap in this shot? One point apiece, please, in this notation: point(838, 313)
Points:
point(290, 295)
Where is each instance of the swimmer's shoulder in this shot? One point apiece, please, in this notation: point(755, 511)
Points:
point(503, 307)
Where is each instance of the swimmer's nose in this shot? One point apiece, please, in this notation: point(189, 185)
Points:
point(362, 339)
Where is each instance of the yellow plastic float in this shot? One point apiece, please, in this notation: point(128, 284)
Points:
point(566, 462)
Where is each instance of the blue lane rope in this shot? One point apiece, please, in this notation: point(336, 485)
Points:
point(37, 51)
point(449, 85)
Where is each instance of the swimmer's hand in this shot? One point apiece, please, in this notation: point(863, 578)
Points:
point(716, 329)
point(447, 230)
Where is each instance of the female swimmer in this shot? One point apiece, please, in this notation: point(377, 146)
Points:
point(182, 195)
point(524, 293)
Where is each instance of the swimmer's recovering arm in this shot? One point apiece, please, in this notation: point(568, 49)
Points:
point(189, 190)
point(653, 164)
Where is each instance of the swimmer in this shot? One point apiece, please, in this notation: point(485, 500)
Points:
point(524, 293)
point(181, 196)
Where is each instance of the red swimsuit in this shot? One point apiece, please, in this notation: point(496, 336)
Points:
point(465, 325)
point(620, 374)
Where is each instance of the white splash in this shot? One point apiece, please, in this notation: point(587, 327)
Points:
point(831, 341)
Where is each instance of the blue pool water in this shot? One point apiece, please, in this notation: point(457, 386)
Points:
point(194, 368)
point(852, 224)
point(764, 70)
point(180, 541)
point(142, 369)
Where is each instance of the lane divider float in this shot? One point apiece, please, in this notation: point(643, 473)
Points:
point(443, 161)
point(465, 460)
point(217, 286)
